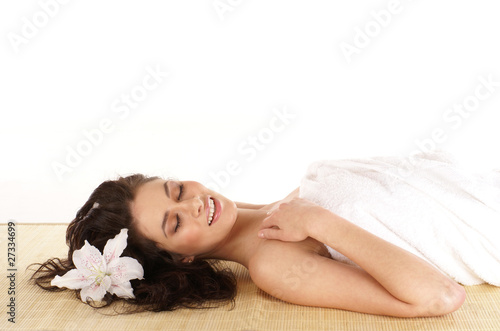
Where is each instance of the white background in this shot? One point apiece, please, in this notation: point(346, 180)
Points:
point(230, 69)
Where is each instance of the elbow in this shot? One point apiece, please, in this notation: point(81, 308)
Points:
point(447, 300)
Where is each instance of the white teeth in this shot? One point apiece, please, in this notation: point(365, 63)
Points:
point(212, 208)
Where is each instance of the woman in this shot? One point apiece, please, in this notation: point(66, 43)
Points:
point(271, 239)
point(179, 229)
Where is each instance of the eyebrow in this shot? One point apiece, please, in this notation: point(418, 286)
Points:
point(165, 217)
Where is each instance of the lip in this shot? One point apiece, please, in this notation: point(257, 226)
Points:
point(218, 209)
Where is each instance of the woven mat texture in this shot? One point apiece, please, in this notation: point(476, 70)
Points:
point(37, 309)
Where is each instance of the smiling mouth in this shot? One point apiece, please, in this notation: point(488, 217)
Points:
point(211, 210)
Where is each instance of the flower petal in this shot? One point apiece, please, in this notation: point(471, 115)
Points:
point(73, 279)
point(88, 258)
point(94, 291)
point(106, 282)
point(123, 290)
point(124, 269)
point(114, 247)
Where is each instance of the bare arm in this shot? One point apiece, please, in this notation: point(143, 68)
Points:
point(402, 275)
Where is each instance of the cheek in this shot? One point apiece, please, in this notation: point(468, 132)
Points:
point(192, 237)
point(231, 216)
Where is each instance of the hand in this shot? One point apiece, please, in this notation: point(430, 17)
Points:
point(291, 221)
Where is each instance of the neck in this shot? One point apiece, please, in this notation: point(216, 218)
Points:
point(242, 241)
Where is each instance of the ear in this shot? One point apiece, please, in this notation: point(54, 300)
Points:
point(187, 259)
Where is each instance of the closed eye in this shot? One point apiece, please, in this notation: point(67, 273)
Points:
point(181, 190)
point(179, 222)
point(178, 225)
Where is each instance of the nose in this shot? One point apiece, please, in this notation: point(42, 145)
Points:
point(193, 207)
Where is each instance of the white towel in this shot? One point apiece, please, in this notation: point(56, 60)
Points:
point(429, 206)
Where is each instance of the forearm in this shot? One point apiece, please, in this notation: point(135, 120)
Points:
point(424, 290)
point(404, 275)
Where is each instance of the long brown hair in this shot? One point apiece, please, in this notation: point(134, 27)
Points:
point(168, 283)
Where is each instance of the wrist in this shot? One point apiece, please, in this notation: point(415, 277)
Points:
point(320, 223)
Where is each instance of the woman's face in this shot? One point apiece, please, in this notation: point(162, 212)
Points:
point(183, 217)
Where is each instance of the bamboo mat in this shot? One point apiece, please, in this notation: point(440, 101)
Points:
point(41, 310)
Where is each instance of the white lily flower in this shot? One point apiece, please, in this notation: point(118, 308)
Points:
point(96, 273)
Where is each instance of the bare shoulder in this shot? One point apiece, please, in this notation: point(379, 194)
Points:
point(279, 265)
point(299, 274)
point(293, 194)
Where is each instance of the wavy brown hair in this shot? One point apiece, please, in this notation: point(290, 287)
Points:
point(168, 283)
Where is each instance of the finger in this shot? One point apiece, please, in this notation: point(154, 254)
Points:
point(264, 226)
point(271, 212)
point(268, 221)
point(283, 205)
point(270, 234)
